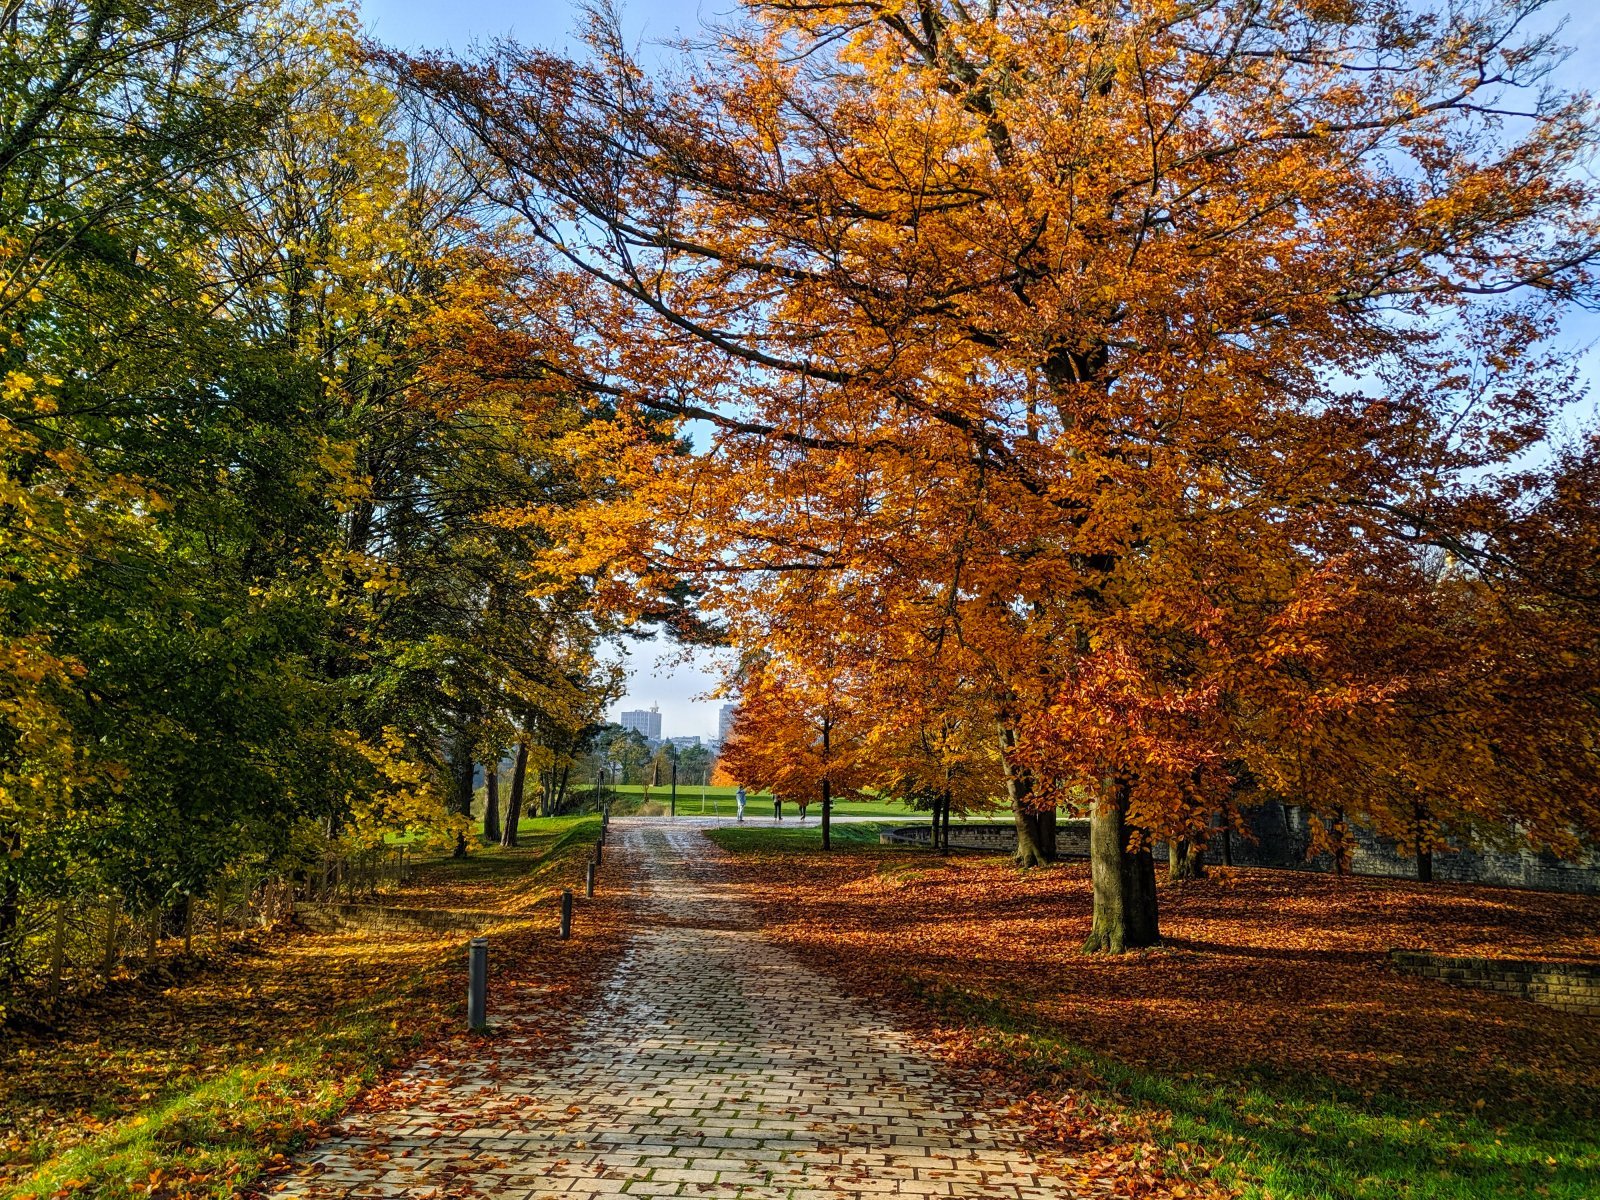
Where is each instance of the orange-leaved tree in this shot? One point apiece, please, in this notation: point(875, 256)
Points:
point(1110, 349)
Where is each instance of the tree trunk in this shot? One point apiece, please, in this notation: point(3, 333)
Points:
point(491, 800)
point(1124, 882)
point(1424, 844)
point(519, 777)
point(827, 815)
point(1035, 844)
point(461, 781)
point(560, 801)
point(1185, 859)
point(944, 837)
point(10, 907)
point(1030, 850)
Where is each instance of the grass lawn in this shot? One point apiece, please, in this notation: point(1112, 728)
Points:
point(1267, 1047)
point(193, 1080)
point(718, 801)
point(748, 838)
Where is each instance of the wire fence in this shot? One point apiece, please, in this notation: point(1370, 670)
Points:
point(55, 948)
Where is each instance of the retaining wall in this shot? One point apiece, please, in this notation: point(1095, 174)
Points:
point(1571, 987)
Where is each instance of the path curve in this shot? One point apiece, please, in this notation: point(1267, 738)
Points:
point(717, 1066)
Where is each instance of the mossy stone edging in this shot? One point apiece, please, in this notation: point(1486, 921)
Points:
point(1570, 987)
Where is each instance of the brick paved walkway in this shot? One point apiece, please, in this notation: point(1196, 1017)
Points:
point(717, 1067)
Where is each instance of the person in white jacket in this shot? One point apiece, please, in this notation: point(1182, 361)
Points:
point(739, 798)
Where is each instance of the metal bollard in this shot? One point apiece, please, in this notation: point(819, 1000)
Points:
point(588, 881)
point(566, 913)
point(597, 847)
point(478, 983)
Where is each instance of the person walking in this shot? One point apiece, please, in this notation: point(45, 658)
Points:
point(739, 798)
point(777, 807)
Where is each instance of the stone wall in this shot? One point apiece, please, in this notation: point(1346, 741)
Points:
point(379, 918)
point(1571, 987)
point(1279, 836)
point(996, 837)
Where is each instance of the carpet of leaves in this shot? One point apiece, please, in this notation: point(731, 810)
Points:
point(1263, 974)
point(192, 1081)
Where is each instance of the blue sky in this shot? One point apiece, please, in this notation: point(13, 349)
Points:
point(455, 24)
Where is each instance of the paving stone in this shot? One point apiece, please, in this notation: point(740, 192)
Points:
point(716, 1066)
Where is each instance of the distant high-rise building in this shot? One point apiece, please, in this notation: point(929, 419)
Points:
point(644, 721)
point(725, 721)
point(685, 742)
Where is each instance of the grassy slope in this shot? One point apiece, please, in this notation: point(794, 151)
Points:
point(194, 1089)
point(1414, 1091)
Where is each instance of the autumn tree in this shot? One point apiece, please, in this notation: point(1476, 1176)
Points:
point(799, 732)
point(1116, 347)
point(268, 436)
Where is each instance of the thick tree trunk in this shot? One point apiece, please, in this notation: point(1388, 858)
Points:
point(560, 801)
point(1124, 882)
point(1036, 841)
point(1424, 866)
point(491, 800)
point(461, 780)
point(519, 779)
point(1185, 859)
point(1031, 847)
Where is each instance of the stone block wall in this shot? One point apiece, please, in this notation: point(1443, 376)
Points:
point(1279, 836)
point(996, 837)
point(1570, 987)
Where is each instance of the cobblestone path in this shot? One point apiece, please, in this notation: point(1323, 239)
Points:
point(718, 1066)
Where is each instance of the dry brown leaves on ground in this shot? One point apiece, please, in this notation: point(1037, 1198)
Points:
point(1261, 971)
point(317, 1011)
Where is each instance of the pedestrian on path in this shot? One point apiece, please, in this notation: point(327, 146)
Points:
point(777, 807)
point(739, 798)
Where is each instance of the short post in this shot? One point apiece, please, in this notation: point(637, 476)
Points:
point(588, 881)
point(597, 848)
point(566, 913)
point(478, 983)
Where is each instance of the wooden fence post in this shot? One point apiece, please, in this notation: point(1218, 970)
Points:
point(588, 881)
point(566, 913)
